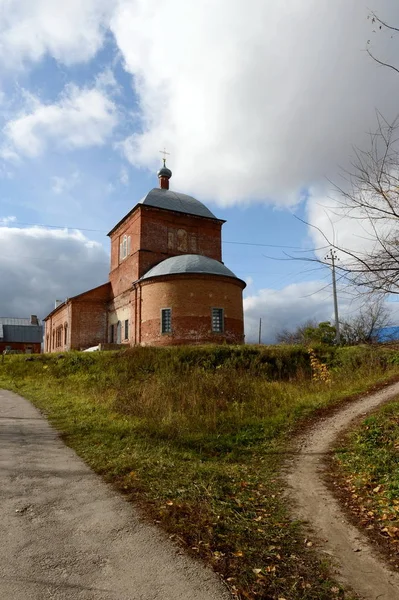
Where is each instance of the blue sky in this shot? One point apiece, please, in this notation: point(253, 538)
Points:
point(259, 106)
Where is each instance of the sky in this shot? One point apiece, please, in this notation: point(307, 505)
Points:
point(259, 104)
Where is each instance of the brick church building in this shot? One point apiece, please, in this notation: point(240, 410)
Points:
point(167, 284)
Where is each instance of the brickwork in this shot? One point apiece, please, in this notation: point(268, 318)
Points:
point(80, 322)
point(155, 235)
point(191, 299)
point(128, 311)
point(55, 338)
point(21, 347)
point(120, 311)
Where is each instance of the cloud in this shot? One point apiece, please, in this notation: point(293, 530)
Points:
point(298, 303)
point(39, 265)
point(61, 185)
point(286, 309)
point(124, 176)
point(4, 221)
point(83, 117)
point(254, 101)
point(70, 31)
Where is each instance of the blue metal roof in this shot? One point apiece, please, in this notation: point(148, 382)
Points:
point(189, 263)
point(169, 200)
point(20, 330)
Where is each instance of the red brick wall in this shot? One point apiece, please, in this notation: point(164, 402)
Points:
point(191, 298)
point(89, 324)
point(57, 321)
point(21, 347)
point(84, 316)
point(157, 234)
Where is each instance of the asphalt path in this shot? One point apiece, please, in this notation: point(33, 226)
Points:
point(65, 534)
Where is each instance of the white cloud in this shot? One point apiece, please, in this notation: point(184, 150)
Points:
point(82, 118)
point(298, 303)
point(286, 309)
point(39, 265)
point(71, 31)
point(124, 176)
point(4, 221)
point(253, 100)
point(61, 185)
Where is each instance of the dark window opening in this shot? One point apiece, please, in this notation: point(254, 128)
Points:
point(126, 329)
point(166, 320)
point(217, 320)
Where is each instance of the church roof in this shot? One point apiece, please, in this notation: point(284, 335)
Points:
point(189, 263)
point(162, 198)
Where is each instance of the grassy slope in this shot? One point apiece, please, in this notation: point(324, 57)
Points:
point(197, 436)
point(367, 466)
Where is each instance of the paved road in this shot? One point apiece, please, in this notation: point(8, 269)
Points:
point(64, 533)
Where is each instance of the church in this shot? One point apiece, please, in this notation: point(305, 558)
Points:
point(167, 282)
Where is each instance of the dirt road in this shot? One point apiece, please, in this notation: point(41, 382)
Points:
point(64, 533)
point(357, 564)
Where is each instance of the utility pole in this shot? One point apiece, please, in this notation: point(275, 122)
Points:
point(260, 330)
point(332, 256)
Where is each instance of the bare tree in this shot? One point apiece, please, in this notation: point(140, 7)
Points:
point(365, 326)
point(371, 195)
point(380, 25)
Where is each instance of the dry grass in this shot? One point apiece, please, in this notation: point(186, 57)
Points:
point(197, 437)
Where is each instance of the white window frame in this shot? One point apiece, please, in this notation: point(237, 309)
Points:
point(169, 330)
point(219, 318)
point(124, 247)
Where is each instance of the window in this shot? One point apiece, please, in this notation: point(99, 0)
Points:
point(217, 320)
point(111, 334)
point(166, 320)
point(124, 247)
point(127, 329)
point(65, 334)
point(182, 240)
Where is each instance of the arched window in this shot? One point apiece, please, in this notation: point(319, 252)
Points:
point(182, 240)
point(124, 247)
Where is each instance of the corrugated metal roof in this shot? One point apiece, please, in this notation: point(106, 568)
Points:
point(189, 263)
point(170, 200)
point(13, 321)
point(32, 334)
point(20, 330)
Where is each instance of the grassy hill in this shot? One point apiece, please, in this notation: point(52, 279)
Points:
point(197, 436)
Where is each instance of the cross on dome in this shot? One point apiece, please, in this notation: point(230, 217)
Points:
point(164, 155)
point(164, 174)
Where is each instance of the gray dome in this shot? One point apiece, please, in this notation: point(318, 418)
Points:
point(161, 198)
point(189, 263)
point(164, 172)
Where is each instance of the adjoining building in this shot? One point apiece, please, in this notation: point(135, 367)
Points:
point(21, 335)
point(167, 282)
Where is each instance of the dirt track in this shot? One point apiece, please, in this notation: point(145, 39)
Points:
point(65, 534)
point(357, 564)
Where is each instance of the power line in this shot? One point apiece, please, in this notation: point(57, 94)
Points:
point(50, 226)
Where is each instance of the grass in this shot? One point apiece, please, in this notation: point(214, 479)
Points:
point(367, 466)
point(197, 436)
